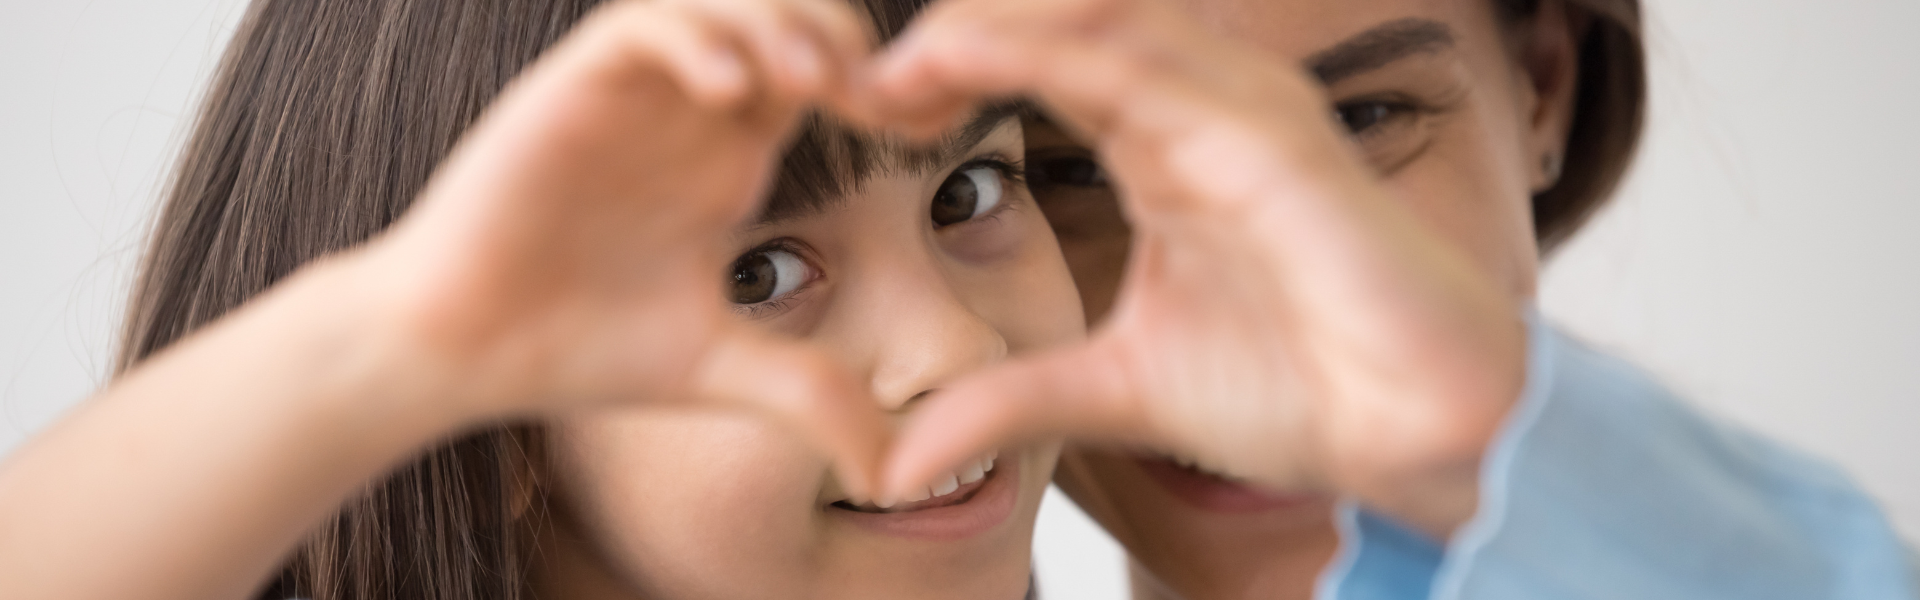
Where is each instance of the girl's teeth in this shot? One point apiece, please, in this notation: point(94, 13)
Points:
point(946, 485)
point(918, 495)
point(975, 471)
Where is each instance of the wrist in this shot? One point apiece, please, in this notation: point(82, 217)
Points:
point(331, 335)
point(1418, 458)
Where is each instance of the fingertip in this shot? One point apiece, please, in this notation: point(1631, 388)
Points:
point(805, 67)
point(806, 390)
point(898, 75)
point(945, 431)
point(856, 481)
point(938, 122)
point(721, 80)
point(855, 109)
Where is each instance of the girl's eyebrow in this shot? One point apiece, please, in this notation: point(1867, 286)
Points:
point(953, 147)
point(829, 162)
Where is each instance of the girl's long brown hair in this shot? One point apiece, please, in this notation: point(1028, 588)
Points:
point(326, 117)
point(323, 121)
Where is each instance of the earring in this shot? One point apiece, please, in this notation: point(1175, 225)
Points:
point(1550, 165)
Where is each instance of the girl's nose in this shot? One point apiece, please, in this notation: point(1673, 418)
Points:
point(924, 335)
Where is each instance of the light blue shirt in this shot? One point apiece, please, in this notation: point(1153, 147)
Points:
point(1603, 485)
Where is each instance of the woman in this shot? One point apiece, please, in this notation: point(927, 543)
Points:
point(563, 352)
point(1348, 320)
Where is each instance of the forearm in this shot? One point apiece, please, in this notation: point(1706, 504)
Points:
point(193, 475)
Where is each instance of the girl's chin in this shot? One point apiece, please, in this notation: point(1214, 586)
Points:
point(986, 501)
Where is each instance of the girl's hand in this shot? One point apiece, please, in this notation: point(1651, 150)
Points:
point(1283, 318)
point(571, 251)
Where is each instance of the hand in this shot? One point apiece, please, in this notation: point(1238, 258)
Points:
point(569, 253)
point(1283, 319)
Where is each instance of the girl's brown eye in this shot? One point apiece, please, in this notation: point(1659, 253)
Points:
point(968, 193)
point(764, 275)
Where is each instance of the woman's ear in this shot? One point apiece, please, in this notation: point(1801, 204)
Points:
point(1547, 57)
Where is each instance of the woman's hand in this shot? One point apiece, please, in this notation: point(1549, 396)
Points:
point(571, 251)
point(1283, 318)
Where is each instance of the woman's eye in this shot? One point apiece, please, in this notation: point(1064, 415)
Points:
point(1388, 131)
point(1362, 117)
point(1073, 171)
point(763, 275)
point(968, 193)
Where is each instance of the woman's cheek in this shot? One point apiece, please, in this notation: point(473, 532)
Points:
point(1095, 238)
point(1466, 193)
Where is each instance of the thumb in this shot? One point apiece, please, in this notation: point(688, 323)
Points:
point(1081, 392)
point(805, 390)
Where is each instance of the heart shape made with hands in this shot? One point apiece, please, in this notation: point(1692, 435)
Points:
point(1279, 318)
point(1282, 318)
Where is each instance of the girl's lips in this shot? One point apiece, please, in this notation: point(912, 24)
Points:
point(959, 515)
point(1209, 492)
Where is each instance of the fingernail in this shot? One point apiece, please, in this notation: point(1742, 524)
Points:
point(727, 72)
point(903, 51)
point(804, 59)
point(906, 44)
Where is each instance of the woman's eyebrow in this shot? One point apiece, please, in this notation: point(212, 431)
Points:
point(1379, 47)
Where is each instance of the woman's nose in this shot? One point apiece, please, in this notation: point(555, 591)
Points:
point(927, 335)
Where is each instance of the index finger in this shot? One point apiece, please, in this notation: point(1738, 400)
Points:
point(804, 389)
point(1081, 392)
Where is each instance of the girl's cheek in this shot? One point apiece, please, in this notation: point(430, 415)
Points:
point(996, 238)
point(800, 316)
point(657, 482)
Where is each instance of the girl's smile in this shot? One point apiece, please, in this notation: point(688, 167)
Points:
point(979, 497)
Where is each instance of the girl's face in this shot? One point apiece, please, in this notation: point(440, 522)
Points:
point(1441, 103)
point(915, 278)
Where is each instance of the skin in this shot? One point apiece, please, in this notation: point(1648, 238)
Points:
point(1285, 316)
point(1463, 161)
point(1420, 220)
point(719, 506)
point(566, 263)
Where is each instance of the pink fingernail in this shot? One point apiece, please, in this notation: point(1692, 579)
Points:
point(804, 59)
point(727, 70)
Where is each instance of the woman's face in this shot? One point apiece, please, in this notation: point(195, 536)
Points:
point(1454, 111)
point(913, 279)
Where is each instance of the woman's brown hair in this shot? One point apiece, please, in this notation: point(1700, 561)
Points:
point(1609, 111)
point(326, 117)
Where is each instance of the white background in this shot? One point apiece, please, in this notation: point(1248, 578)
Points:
point(1764, 258)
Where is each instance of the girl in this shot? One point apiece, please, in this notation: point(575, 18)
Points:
point(493, 396)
